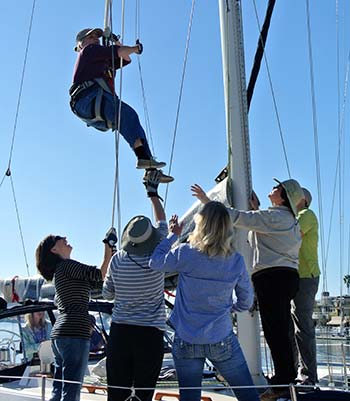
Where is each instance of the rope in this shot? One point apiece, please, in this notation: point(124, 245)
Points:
point(316, 148)
point(262, 42)
point(116, 191)
point(20, 92)
point(180, 96)
point(19, 225)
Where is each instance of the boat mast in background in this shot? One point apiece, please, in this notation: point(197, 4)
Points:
point(239, 159)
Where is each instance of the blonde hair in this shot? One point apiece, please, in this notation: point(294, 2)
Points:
point(30, 320)
point(213, 233)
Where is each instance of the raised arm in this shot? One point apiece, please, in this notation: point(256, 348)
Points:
point(199, 193)
point(151, 182)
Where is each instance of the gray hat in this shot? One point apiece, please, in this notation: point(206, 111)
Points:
point(84, 33)
point(294, 193)
point(307, 196)
point(140, 237)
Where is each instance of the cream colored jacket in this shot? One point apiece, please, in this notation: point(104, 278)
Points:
point(274, 236)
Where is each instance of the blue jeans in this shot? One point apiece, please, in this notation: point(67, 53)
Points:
point(71, 358)
point(130, 126)
point(225, 355)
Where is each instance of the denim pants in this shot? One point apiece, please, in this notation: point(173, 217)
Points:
point(71, 358)
point(304, 327)
point(226, 356)
point(130, 126)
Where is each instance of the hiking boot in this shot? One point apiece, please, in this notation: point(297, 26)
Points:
point(163, 178)
point(273, 394)
point(149, 163)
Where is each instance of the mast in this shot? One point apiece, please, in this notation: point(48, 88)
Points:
point(239, 159)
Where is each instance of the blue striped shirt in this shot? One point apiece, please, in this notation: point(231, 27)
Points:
point(137, 291)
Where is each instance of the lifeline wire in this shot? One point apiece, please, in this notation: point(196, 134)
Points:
point(180, 97)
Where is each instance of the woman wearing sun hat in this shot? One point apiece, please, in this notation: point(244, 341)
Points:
point(275, 238)
point(135, 346)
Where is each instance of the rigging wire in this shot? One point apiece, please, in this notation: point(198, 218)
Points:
point(316, 148)
point(148, 129)
point(19, 223)
point(261, 40)
point(259, 51)
point(8, 171)
point(341, 124)
point(180, 95)
point(342, 119)
point(20, 92)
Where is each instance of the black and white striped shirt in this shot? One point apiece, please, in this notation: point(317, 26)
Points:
point(137, 291)
point(73, 283)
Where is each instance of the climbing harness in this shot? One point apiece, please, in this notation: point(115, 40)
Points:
point(77, 91)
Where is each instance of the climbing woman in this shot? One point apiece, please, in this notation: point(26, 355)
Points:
point(93, 97)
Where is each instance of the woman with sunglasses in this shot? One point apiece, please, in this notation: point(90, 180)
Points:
point(70, 335)
point(275, 238)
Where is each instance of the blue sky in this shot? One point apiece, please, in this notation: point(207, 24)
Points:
point(63, 171)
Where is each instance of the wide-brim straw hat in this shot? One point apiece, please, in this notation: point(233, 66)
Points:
point(294, 193)
point(140, 237)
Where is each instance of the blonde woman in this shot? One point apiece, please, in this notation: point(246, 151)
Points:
point(209, 270)
point(36, 330)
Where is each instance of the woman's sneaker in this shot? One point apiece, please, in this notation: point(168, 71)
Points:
point(273, 394)
point(163, 178)
point(149, 163)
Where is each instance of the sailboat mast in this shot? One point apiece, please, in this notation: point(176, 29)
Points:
point(239, 158)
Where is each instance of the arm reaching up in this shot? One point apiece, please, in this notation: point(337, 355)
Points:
point(199, 193)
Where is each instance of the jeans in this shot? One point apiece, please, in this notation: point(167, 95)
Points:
point(134, 358)
point(226, 356)
point(302, 309)
point(130, 126)
point(71, 358)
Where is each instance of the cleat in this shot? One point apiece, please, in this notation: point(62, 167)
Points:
point(149, 163)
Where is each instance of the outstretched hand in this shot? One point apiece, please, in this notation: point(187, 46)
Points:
point(199, 193)
point(254, 201)
point(151, 182)
point(174, 226)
